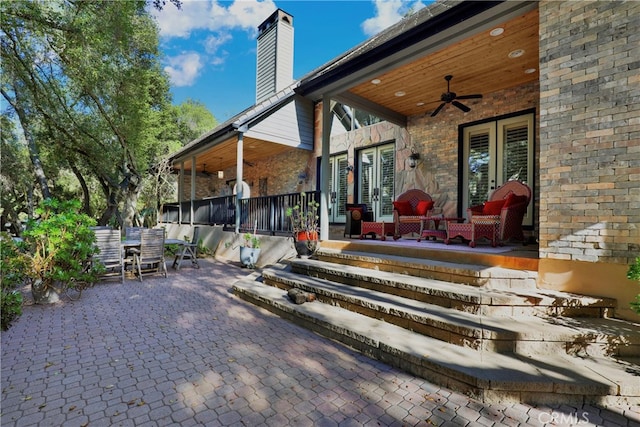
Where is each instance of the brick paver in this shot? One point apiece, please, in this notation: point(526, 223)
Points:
point(185, 351)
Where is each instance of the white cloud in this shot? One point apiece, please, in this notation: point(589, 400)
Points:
point(184, 69)
point(388, 12)
point(212, 16)
point(213, 42)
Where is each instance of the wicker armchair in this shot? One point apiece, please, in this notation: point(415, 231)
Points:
point(408, 209)
point(508, 205)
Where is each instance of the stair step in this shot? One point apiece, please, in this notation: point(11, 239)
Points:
point(472, 299)
point(516, 334)
point(468, 274)
point(489, 377)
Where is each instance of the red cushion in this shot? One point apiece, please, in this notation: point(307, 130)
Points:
point(513, 199)
point(424, 206)
point(493, 208)
point(403, 208)
point(356, 213)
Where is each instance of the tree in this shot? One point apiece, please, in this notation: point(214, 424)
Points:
point(194, 119)
point(85, 82)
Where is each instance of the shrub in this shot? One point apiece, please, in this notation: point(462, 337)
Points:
point(59, 247)
point(12, 268)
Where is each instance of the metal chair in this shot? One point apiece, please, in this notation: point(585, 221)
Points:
point(150, 259)
point(188, 250)
point(110, 255)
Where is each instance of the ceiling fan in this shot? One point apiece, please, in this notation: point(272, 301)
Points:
point(452, 97)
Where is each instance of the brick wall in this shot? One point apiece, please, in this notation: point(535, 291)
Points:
point(281, 172)
point(590, 130)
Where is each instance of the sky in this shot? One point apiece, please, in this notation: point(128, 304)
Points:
point(209, 46)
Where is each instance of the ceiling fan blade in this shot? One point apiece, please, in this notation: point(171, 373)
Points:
point(438, 109)
point(476, 96)
point(461, 106)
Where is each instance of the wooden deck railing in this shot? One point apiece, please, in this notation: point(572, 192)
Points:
point(267, 213)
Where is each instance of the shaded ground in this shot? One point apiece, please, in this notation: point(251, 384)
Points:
point(185, 351)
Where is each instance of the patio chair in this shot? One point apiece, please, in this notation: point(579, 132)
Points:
point(507, 205)
point(188, 250)
point(110, 255)
point(150, 258)
point(355, 214)
point(409, 209)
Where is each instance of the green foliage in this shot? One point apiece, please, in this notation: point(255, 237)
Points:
point(85, 82)
point(251, 240)
point(634, 274)
point(59, 245)
point(304, 215)
point(11, 306)
point(12, 269)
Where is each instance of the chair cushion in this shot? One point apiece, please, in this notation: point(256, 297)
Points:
point(514, 199)
point(423, 207)
point(404, 208)
point(356, 213)
point(493, 207)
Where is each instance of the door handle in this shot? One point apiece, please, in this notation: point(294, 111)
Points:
point(333, 197)
point(376, 193)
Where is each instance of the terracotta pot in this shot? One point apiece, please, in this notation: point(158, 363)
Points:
point(302, 236)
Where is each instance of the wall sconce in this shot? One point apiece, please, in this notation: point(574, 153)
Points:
point(220, 174)
point(413, 160)
point(349, 168)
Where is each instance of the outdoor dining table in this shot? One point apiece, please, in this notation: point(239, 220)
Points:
point(129, 244)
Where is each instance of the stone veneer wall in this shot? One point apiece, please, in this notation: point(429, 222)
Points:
point(590, 130)
point(436, 139)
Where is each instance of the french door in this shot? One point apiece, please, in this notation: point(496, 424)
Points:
point(494, 153)
point(376, 180)
point(338, 185)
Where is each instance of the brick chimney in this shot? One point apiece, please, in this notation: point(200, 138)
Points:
point(275, 55)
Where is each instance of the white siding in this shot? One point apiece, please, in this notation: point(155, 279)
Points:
point(291, 124)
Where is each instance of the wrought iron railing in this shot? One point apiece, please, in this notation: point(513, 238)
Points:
point(267, 213)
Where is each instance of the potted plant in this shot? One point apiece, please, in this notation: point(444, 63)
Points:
point(250, 249)
point(304, 224)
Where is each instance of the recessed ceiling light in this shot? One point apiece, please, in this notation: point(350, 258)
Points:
point(375, 81)
point(516, 53)
point(496, 31)
point(530, 71)
point(420, 104)
point(400, 93)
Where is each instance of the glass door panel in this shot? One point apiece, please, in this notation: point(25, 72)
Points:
point(376, 180)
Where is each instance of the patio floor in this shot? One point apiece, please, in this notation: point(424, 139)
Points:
point(185, 351)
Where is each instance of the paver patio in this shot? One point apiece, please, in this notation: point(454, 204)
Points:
point(185, 351)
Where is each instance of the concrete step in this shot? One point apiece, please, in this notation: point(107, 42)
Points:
point(526, 335)
point(492, 277)
point(444, 291)
point(489, 377)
